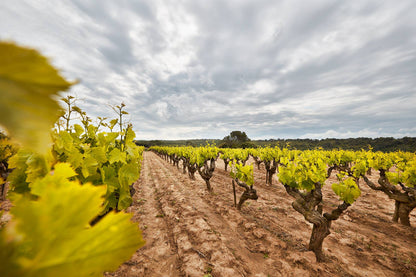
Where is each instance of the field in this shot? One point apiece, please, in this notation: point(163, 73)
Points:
point(191, 232)
point(330, 185)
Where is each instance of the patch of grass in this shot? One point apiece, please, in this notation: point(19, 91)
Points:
point(160, 215)
point(369, 246)
point(212, 231)
point(208, 272)
point(265, 255)
point(141, 201)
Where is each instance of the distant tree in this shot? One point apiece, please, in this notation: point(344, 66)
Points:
point(234, 140)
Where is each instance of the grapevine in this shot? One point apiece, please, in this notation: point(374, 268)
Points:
point(55, 192)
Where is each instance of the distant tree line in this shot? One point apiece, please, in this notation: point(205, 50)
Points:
point(183, 142)
point(238, 139)
point(384, 144)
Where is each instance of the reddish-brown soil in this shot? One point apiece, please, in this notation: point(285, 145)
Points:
point(190, 232)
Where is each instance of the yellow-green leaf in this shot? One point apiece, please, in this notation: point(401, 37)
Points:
point(347, 190)
point(117, 156)
point(28, 84)
point(98, 153)
point(64, 170)
point(52, 236)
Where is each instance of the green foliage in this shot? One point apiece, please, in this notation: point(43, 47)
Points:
point(304, 171)
point(28, 166)
point(7, 148)
point(347, 190)
point(194, 155)
point(49, 233)
point(101, 158)
point(269, 153)
point(52, 236)
point(28, 84)
point(242, 172)
point(127, 175)
point(205, 153)
point(116, 156)
point(406, 176)
point(381, 161)
point(360, 168)
point(237, 154)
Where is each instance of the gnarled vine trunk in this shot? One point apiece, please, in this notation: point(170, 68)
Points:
point(271, 167)
point(319, 233)
point(402, 212)
point(176, 160)
point(249, 193)
point(184, 165)
point(226, 161)
point(206, 172)
point(4, 172)
point(404, 197)
point(257, 161)
point(192, 168)
point(3, 191)
point(310, 206)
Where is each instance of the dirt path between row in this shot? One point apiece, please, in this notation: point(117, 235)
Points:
point(190, 232)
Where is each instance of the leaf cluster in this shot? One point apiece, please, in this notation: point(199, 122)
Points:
point(51, 236)
point(242, 172)
point(304, 171)
point(347, 190)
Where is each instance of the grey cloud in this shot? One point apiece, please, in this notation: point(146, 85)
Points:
point(205, 68)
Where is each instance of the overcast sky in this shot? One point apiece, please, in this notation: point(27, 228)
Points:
point(201, 69)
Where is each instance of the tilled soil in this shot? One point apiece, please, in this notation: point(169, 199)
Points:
point(191, 232)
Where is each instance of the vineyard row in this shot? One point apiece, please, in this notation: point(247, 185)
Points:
point(303, 174)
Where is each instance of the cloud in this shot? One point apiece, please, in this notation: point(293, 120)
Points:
point(204, 68)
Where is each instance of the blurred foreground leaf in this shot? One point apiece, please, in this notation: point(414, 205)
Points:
point(52, 236)
point(28, 85)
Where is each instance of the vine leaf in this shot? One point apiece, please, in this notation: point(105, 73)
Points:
point(52, 236)
point(347, 190)
point(28, 84)
point(116, 156)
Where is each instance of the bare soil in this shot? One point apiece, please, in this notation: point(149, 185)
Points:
point(191, 232)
